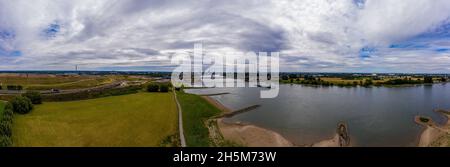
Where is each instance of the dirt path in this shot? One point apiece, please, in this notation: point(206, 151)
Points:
point(180, 121)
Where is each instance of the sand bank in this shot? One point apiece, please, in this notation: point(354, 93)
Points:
point(433, 135)
point(251, 135)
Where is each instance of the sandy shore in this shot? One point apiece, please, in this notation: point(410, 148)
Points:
point(433, 135)
point(254, 136)
point(251, 136)
point(218, 105)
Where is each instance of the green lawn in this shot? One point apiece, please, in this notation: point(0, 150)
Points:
point(195, 111)
point(143, 119)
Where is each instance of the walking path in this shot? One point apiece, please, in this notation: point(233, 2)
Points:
point(180, 121)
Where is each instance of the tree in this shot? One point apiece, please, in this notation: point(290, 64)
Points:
point(152, 87)
point(368, 82)
point(22, 105)
point(34, 96)
point(6, 118)
point(428, 79)
point(164, 88)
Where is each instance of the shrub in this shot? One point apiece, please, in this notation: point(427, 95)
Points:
point(34, 96)
point(425, 120)
point(152, 88)
point(6, 119)
point(164, 88)
point(5, 141)
point(14, 87)
point(90, 94)
point(22, 105)
point(5, 129)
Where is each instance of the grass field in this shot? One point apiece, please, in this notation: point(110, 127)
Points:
point(195, 111)
point(143, 119)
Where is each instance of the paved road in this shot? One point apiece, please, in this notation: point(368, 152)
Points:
point(180, 121)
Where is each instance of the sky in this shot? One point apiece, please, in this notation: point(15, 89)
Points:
point(371, 36)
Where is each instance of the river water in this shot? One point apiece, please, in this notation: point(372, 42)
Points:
point(377, 116)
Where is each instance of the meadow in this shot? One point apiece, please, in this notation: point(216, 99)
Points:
point(142, 119)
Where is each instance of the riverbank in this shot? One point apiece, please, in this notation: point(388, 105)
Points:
point(245, 134)
point(434, 135)
point(255, 136)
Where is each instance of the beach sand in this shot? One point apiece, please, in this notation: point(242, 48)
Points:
point(334, 142)
point(251, 136)
point(434, 135)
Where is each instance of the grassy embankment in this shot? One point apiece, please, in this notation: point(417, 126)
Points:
point(2, 107)
point(195, 112)
point(46, 82)
point(142, 119)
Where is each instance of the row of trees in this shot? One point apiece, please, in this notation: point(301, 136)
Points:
point(310, 80)
point(12, 87)
point(22, 105)
point(318, 81)
point(6, 118)
point(153, 87)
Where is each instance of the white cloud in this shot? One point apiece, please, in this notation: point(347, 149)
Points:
point(312, 35)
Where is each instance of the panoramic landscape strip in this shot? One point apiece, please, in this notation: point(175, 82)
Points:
point(111, 109)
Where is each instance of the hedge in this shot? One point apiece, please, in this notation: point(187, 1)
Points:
point(6, 118)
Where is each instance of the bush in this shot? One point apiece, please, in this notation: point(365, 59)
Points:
point(34, 96)
point(5, 141)
point(6, 119)
point(164, 88)
point(152, 88)
point(91, 94)
point(425, 120)
point(22, 105)
point(5, 129)
point(14, 87)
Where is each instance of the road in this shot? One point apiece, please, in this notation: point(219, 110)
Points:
point(68, 91)
point(180, 121)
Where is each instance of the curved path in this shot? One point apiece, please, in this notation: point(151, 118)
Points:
point(180, 121)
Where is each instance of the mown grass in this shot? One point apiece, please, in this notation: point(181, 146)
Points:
point(195, 112)
point(142, 119)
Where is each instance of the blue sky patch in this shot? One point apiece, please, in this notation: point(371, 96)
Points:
point(52, 30)
point(442, 50)
point(4, 34)
point(359, 3)
point(14, 53)
point(366, 52)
